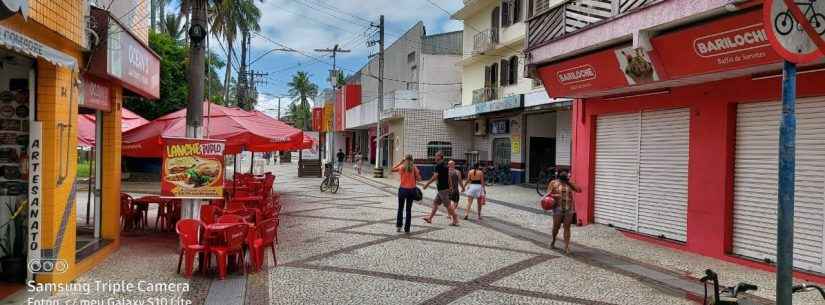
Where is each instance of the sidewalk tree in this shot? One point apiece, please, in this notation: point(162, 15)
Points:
point(174, 88)
point(301, 88)
point(227, 19)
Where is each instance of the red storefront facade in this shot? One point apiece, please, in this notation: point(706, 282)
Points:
point(695, 110)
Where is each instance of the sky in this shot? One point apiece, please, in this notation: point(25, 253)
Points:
point(306, 25)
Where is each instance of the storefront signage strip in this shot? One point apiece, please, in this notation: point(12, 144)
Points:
point(20, 43)
point(35, 190)
point(510, 102)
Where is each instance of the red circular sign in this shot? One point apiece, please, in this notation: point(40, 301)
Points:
point(796, 42)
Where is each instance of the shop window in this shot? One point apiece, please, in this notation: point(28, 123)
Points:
point(436, 146)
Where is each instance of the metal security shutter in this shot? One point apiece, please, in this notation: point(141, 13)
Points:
point(617, 163)
point(755, 182)
point(663, 173)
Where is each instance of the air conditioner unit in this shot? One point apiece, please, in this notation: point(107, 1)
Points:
point(480, 127)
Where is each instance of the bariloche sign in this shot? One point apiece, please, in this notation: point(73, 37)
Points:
point(796, 29)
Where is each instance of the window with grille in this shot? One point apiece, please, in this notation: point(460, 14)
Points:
point(436, 146)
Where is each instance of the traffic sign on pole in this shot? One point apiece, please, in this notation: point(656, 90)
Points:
point(796, 28)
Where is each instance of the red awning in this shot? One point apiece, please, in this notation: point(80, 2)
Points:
point(242, 130)
point(86, 126)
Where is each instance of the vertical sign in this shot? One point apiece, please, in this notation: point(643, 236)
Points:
point(192, 168)
point(313, 153)
point(35, 189)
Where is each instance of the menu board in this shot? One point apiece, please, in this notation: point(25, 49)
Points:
point(192, 168)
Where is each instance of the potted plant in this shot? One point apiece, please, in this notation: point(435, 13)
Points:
point(12, 242)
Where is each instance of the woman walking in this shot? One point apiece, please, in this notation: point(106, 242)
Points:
point(561, 189)
point(406, 191)
point(475, 190)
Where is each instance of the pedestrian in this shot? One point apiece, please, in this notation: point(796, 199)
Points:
point(341, 156)
point(358, 162)
point(406, 191)
point(442, 176)
point(475, 190)
point(456, 186)
point(268, 157)
point(561, 189)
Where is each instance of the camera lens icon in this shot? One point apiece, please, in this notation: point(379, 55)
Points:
point(48, 266)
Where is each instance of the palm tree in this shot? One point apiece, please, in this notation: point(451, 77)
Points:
point(227, 18)
point(301, 88)
point(171, 25)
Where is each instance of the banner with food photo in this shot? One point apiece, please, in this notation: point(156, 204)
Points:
point(192, 168)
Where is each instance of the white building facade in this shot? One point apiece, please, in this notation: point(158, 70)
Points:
point(515, 126)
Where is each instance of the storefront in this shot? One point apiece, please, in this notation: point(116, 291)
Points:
point(678, 141)
point(44, 53)
point(546, 134)
point(498, 135)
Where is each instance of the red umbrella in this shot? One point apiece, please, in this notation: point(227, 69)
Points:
point(241, 129)
point(86, 126)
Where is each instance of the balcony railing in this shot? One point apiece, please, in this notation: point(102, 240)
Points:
point(485, 40)
point(485, 94)
point(574, 15)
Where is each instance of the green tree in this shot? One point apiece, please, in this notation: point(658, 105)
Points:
point(301, 89)
point(227, 19)
point(174, 85)
point(171, 25)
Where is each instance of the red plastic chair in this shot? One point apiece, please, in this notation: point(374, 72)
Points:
point(249, 215)
point(129, 217)
point(210, 214)
point(267, 238)
point(230, 218)
point(191, 233)
point(235, 237)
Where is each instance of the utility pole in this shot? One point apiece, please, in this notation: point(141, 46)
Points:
point(333, 79)
point(254, 78)
point(194, 112)
point(378, 171)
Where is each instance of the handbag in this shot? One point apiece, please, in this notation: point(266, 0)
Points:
point(482, 200)
point(418, 194)
point(548, 203)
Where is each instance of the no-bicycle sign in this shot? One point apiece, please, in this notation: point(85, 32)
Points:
point(796, 28)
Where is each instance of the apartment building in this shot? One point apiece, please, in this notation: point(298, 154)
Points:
point(515, 125)
point(422, 78)
point(675, 124)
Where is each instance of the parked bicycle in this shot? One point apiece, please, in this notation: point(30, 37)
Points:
point(547, 174)
point(497, 174)
point(785, 21)
point(730, 295)
point(331, 181)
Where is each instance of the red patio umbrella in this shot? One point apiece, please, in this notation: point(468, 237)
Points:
point(86, 126)
point(242, 130)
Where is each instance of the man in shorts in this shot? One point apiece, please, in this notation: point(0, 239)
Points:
point(444, 187)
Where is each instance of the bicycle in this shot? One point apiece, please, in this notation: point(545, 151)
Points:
point(546, 175)
point(490, 175)
point(504, 176)
point(785, 21)
point(725, 295)
point(331, 181)
point(730, 295)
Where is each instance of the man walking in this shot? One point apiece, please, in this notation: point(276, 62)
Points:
point(340, 156)
point(442, 176)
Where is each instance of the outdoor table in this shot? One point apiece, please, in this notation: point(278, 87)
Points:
point(165, 207)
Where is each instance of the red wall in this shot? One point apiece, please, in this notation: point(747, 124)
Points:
point(352, 95)
point(712, 149)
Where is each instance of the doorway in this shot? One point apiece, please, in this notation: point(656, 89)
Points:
point(542, 155)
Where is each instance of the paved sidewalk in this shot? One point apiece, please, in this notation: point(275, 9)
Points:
point(343, 249)
point(518, 206)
